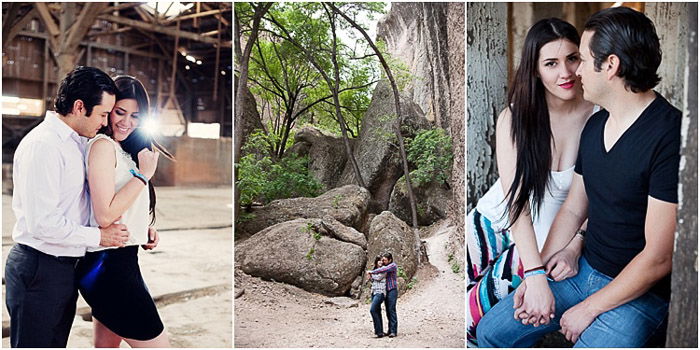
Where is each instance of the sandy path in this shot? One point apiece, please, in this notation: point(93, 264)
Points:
point(270, 314)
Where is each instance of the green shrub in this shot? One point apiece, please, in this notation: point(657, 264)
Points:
point(261, 178)
point(430, 151)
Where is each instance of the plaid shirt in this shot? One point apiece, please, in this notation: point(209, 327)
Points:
point(390, 270)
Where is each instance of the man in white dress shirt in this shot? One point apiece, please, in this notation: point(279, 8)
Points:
point(52, 207)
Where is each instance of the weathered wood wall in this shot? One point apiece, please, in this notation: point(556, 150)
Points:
point(486, 90)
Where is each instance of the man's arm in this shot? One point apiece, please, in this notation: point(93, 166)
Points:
point(649, 266)
point(646, 269)
point(569, 219)
point(387, 268)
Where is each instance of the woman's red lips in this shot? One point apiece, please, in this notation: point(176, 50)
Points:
point(567, 85)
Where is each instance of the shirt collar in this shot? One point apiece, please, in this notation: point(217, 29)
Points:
point(62, 129)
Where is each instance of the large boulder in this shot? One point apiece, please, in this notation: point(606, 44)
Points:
point(387, 233)
point(347, 204)
point(431, 202)
point(303, 253)
point(327, 155)
point(376, 151)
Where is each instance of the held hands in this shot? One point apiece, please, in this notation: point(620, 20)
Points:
point(114, 235)
point(153, 239)
point(148, 161)
point(533, 302)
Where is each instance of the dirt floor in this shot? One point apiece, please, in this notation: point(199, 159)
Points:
point(188, 274)
point(271, 314)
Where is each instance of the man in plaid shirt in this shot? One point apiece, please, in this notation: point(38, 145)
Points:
point(392, 291)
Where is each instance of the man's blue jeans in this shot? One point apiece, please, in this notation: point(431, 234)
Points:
point(390, 303)
point(629, 325)
point(376, 311)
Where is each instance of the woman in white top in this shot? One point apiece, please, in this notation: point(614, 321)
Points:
point(120, 163)
point(536, 148)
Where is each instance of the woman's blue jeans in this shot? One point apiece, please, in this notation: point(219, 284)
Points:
point(629, 325)
point(376, 311)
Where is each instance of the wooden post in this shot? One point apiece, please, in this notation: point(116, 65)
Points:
point(683, 311)
point(486, 83)
point(216, 66)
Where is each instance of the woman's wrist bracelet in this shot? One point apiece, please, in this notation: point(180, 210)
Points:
point(535, 268)
point(139, 176)
point(534, 273)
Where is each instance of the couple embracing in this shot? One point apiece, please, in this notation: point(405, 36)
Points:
point(577, 235)
point(84, 203)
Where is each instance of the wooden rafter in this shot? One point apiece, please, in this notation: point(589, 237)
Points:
point(7, 36)
point(123, 6)
point(9, 18)
point(219, 17)
point(45, 15)
point(195, 15)
point(82, 24)
point(162, 29)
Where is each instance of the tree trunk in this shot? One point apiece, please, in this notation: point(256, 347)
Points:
point(486, 83)
point(397, 126)
point(260, 10)
point(312, 60)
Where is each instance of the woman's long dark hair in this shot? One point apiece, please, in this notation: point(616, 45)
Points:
point(131, 88)
point(376, 260)
point(530, 128)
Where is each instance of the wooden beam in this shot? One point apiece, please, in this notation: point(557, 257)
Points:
point(82, 24)
point(212, 33)
point(195, 15)
point(9, 18)
point(145, 16)
point(161, 29)
point(18, 26)
point(45, 16)
point(97, 45)
point(124, 6)
point(219, 17)
point(117, 31)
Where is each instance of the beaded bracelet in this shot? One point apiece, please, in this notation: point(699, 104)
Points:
point(139, 176)
point(534, 273)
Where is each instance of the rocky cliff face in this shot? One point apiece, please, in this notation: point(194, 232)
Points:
point(429, 39)
point(416, 34)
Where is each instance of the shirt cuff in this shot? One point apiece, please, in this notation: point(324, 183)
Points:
point(92, 236)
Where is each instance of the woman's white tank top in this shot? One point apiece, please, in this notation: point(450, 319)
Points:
point(492, 205)
point(136, 218)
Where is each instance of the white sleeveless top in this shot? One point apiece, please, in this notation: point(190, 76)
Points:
point(136, 218)
point(492, 205)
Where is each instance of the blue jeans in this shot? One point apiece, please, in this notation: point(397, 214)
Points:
point(629, 325)
point(390, 304)
point(376, 311)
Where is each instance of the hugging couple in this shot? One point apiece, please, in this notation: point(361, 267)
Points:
point(577, 234)
point(84, 203)
point(384, 289)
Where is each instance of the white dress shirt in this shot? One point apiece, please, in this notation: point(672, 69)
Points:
point(50, 197)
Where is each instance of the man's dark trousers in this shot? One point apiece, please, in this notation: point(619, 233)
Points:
point(41, 295)
point(390, 304)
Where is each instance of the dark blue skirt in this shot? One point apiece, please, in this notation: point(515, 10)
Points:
point(110, 282)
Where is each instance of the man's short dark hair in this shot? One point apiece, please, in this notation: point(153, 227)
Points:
point(86, 84)
point(631, 36)
point(388, 256)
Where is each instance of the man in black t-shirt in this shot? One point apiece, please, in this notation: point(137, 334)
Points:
point(626, 185)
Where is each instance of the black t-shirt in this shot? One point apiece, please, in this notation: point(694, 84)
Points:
point(643, 162)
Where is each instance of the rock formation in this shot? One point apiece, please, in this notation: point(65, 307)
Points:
point(303, 252)
point(326, 153)
point(432, 202)
point(375, 148)
point(347, 204)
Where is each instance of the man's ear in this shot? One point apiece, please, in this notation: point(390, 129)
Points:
point(611, 66)
point(79, 108)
